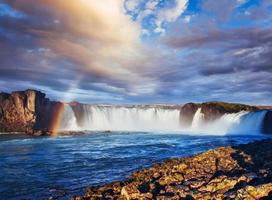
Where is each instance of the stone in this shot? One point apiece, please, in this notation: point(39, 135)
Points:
point(173, 178)
point(240, 172)
point(252, 193)
point(131, 191)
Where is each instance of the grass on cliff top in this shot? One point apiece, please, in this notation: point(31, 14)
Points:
point(228, 106)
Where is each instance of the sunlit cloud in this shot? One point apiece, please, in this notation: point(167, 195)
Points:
point(127, 51)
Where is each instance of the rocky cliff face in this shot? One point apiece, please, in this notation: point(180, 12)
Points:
point(26, 111)
point(212, 110)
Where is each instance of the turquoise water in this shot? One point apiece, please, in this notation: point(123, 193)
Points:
point(40, 167)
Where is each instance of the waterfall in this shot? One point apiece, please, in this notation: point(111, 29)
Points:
point(198, 120)
point(222, 125)
point(156, 118)
point(130, 119)
point(251, 123)
point(68, 120)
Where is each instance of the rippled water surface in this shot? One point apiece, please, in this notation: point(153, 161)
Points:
point(40, 167)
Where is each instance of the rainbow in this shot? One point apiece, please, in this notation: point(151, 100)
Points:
point(58, 113)
point(56, 120)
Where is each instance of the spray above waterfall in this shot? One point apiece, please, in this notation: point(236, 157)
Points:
point(156, 118)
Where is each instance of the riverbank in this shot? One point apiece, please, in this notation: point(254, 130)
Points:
point(239, 172)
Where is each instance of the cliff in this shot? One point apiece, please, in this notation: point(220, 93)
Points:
point(26, 111)
point(239, 172)
point(31, 112)
point(211, 110)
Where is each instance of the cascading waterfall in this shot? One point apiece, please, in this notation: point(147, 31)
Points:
point(222, 125)
point(198, 120)
point(250, 123)
point(121, 118)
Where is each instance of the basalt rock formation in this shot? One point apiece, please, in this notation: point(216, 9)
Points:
point(27, 112)
point(241, 172)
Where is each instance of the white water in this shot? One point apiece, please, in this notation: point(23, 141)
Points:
point(224, 124)
point(198, 121)
point(250, 123)
point(68, 121)
point(130, 119)
point(115, 118)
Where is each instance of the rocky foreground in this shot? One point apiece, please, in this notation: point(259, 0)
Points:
point(242, 172)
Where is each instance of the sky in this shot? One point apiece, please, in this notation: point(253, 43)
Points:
point(138, 51)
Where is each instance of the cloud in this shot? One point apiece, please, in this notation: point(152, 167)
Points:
point(222, 10)
point(158, 13)
point(170, 14)
point(95, 51)
point(92, 38)
point(222, 58)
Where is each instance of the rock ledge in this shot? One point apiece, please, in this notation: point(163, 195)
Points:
point(241, 172)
